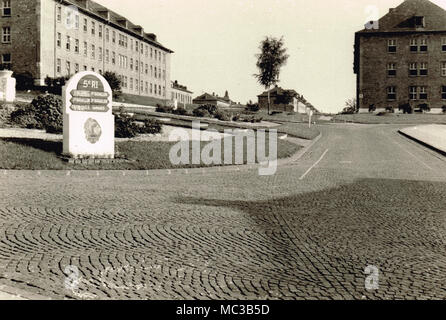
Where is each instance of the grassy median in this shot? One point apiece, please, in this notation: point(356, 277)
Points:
point(34, 154)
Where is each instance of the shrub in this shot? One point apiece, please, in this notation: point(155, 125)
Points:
point(44, 112)
point(236, 118)
point(253, 107)
point(223, 116)
point(406, 108)
point(424, 107)
point(24, 81)
point(211, 109)
point(55, 85)
point(151, 126)
point(164, 109)
point(372, 108)
point(201, 113)
point(180, 111)
point(444, 109)
point(125, 126)
point(390, 110)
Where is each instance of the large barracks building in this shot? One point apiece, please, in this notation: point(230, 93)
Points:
point(54, 38)
point(401, 59)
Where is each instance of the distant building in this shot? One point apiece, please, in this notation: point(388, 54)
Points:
point(212, 99)
point(401, 59)
point(180, 94)
point(278, 98)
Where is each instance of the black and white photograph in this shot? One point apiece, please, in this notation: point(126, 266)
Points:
point(239, 152)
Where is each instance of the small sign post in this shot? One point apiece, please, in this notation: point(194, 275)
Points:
point(310, 114)
point(88, 128)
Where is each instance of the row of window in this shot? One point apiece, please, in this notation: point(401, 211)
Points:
point(415, 93)
point(181, 97)
point(415, 45)
point(144, 87)
point(122, 61)
point(72, 22)
point(134, 84)
point(415, 69)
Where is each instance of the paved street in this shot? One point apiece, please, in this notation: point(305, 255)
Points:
point(362, 196)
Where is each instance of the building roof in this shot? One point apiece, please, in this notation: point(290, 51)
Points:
point(402, 18)
point(277, 91)
point(177, 86)
point(211, 97)
point(116, 20)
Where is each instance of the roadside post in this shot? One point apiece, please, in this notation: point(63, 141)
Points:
point(310, 115)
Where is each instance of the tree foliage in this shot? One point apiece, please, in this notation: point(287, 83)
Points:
point(114, 82)
point(272, 57)
point(351, 107)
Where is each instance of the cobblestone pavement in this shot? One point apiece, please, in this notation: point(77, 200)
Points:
point(371, 198)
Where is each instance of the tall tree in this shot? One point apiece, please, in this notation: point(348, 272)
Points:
point(273, 55)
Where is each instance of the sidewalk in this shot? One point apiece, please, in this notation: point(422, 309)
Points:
point(432, 136)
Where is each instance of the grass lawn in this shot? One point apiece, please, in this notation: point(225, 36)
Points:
point(282, 117)
point(391, 118)
point(299, 130)
point(30, 154)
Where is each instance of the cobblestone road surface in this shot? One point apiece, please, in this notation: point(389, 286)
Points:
point(371, 198)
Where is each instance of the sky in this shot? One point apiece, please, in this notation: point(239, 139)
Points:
point(215, 42)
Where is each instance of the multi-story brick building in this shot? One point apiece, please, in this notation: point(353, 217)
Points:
point(401, 59)
point(54, 38)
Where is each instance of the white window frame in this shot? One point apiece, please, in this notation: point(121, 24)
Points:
point(423, 43)
point(443, 68)
point(58, 66)
point(5, 61)
point(76, 46)
point(423, 66)
point(6, 34)
point(413, 66)
point(413, 43)
point(422, 90)
point(6, 5)
point(59, 13)
point(413, 93)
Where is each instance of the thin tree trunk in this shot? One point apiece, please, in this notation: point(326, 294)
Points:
point(269, 102)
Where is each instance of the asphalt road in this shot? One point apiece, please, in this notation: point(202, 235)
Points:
point(363, 196)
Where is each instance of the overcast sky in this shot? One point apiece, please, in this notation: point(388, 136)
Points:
point(215, 42)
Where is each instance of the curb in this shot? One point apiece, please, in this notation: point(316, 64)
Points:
point(427, 145)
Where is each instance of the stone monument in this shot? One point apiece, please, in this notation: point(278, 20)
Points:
point(88, 126)
point(7, 86)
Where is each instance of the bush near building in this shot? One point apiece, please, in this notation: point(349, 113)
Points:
point(44, 113)
point(24, 81)
point(126, 127)
point(55, 85)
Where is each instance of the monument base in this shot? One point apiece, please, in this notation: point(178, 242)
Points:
point(89, 135)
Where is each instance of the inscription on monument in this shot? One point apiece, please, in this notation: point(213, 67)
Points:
point(89, 96)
